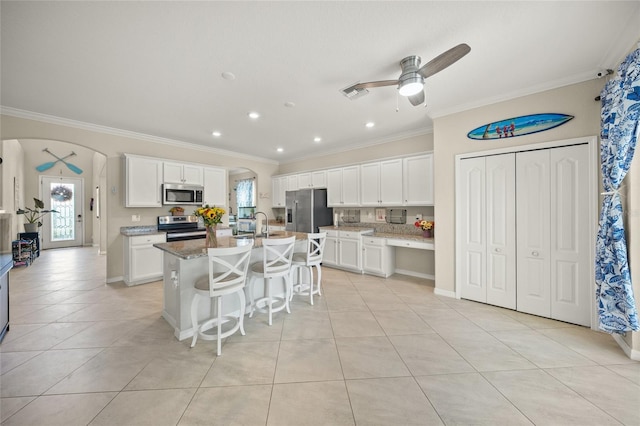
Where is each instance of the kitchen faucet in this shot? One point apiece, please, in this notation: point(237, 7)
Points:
point(266, 221)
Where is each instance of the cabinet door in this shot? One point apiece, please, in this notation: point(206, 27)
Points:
point(370, 184)
point(334, 188)
point(391, 182)
point(472, 224)
point(349, 253)
point(146, 262)
point(533, 245)
point(143, 180)
point(319, 179)
point(501, 230)
point(330, 254)
point(304, 180)
point(569, 229)
point(292, 183)
point(351, 186)
point(192, 174)
point(276, 196)
point(373, 259)
point(172, 172)
point(418, 180)
point(215, 186)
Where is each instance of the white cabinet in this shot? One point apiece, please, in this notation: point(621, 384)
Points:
point(188, 174)
point(381, 183)
point(330, 254)
point(377, 257)
point(142, 261)
point(343, 249)
point(143, 180)
point(316, 179)
point(417, 184)
point(343, 187)
point(292, 183)
point(523, 228)
point(215, 186)
point(278, 189)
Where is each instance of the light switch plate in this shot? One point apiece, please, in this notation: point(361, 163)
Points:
point(418, 216)
point(135, 218)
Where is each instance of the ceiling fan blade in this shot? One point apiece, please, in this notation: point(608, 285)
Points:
point(371, 84)
point(417, 99)
point(445, 59)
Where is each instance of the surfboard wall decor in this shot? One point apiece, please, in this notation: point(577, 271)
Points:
point(519, 126)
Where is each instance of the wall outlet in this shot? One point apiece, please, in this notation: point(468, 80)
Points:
point(418, 216)
point(135, 218)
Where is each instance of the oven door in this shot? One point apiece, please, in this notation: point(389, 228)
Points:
point(185, 235)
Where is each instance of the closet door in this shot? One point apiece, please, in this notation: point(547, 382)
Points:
point(501, 230)
point(473, 229)
point(571, 289)
point(533, 232)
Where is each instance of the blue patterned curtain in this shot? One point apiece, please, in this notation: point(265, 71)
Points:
point(245, 194)
point(617, 310)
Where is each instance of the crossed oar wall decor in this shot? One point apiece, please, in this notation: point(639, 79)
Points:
point(46, 166)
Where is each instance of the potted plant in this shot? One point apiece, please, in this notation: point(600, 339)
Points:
point(33, 215)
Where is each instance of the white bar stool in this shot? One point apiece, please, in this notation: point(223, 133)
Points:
point(308, 259)
point(227, 275)
point(276, 263)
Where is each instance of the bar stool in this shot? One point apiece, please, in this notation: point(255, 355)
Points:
point(276, 263)
point(308, 259)
point(227, 275)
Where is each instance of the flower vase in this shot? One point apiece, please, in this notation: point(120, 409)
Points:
point(427, 233)
point(211, 240)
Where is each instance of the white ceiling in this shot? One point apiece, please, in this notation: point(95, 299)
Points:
point(156, 68)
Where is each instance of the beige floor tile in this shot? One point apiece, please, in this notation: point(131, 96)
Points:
point(390, 401)
point(307, 324)
point(428, 354)
point(629, 371)
point(541, 350)
point(623, 404)
point(401, 322)
point(243, 363)
point(10, 360)
point(545, 400)
point(324, 403)
point(152, 407)
point(55, 297)
point(369, 357)
point(486, 353)
point(18, 331)
point(598, 347)
point(43, 371)
point(257, 329)
point(10, 406)
point(355, 324)
point(345, 302)
point(308, 360)
point(99, 334)
point(45, 337)
point(50, 313)
point(493, 321)
point(468, 399)
point(229, 405)
point(53, 410)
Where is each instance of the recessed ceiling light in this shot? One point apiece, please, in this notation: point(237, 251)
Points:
point(289, 104)
point(370, 124)
point(228, 75)
point(317, 139)
point(216, 134)
point(254, 115)
point(280, 149)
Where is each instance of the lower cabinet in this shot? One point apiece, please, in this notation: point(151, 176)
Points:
point(142, 261)
point(343, 249)
point(377, 257)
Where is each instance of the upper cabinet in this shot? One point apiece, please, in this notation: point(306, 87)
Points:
point(380, 183)
point(143, 177)
point(343, 187)
point(292, 183)
point(188, 174)
point(278, 189)
point(316, 179)
point(418, 180)
point(215, 186)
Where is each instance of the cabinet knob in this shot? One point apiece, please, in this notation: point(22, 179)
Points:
point(534, 253)
point(497, 250)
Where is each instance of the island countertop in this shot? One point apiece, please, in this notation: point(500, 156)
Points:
point(192, 249)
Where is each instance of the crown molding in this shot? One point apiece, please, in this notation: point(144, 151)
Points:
point(30, 115)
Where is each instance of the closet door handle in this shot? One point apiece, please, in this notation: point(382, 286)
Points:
point(497, 250)
point(535, 253)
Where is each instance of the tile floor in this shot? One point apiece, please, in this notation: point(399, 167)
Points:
point(370, 352)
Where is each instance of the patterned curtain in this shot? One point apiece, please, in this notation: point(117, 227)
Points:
point(617, 310)
point(244, 193)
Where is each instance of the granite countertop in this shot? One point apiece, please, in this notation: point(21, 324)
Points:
point(130, 231)
point(191, 249)
point(409, 237)
point(347, 228)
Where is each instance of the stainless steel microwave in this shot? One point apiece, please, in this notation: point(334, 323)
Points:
point(173, 194)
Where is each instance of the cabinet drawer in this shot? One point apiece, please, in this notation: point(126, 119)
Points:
point(139, 240)
point(330, 233)
point(350, 234)
point(410, 244)
point(374, 241)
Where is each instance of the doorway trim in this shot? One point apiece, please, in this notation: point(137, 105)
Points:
point(79, 229)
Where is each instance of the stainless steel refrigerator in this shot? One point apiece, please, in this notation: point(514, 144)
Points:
point(307, 210)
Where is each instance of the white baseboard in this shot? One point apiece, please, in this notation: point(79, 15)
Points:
point(415, 274)
point(631, 353)
point(447, 293)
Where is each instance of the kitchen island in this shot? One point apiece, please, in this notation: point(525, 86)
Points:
point(186, 261)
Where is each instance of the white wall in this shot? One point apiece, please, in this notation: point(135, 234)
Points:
point(450, 139)
point(12, 181)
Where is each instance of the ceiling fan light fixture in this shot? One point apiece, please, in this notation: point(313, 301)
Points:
point(411, 85)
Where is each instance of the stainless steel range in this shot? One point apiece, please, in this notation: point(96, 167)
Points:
point(179, 228)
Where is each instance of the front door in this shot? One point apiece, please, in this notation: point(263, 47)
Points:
point(65, 228)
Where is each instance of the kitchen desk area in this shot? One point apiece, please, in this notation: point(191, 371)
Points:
point(185, 261)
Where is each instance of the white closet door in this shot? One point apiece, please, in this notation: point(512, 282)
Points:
point(571, 289)
point(501, 230)
point(473, 229)
point(533, 222)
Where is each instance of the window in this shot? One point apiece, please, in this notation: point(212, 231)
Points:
point(245, 193)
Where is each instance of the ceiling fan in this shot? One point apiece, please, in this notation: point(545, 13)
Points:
point(411, 81)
